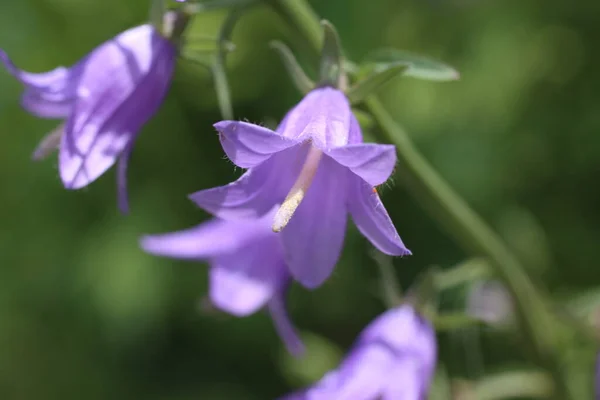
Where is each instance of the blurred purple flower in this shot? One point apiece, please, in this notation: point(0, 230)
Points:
point(393, 359)
point(318, 169)
point(247, 271)
point(104, 99)
point(597, 377)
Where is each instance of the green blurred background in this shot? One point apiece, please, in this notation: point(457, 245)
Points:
point(84, 313)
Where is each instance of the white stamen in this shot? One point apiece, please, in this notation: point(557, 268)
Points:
point(298, 191)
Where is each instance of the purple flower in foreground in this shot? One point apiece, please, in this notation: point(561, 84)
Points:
point(104, 100)
point(247, 271)
point(597, 378)
point(318, 169)
point(393, 359)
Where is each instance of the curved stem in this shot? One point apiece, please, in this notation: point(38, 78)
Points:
point(452, 212)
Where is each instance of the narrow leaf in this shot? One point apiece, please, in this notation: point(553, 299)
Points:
point(390, 289)
point(222, 89)
point(423, 294)
point(197, 58)
point(453, 321)
point(303, 83)
point(219, 67)
point(515, 384)
point(418, 66)
point(331, 71)
point(210, 5)
point(158, 8)
point(371, 83)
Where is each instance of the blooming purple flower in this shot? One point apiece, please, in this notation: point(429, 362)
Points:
point(393, 359)
point(247, 271)
point(597, 377)
point(318, 169)
point(104, 100)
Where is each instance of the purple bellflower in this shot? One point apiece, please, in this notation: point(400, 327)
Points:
point(393, 359)
point(247, 270)
point(597, 378)
point(317, 167)
point(104, 100)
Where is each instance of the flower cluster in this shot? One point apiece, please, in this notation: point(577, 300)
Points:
point(283, 221)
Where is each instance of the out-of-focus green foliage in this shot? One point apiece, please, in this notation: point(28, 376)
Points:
point(84, 313)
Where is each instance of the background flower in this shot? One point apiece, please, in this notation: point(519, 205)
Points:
point(105, 99)
point(393, 359)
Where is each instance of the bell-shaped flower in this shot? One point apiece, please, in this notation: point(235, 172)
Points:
point(104, 100)
point(597, 377)
point(247, 271)
point(317, 167)
point(393, 359)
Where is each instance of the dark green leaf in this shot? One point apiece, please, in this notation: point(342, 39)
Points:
point(157, 13)
point(418, 66)
point(331, 56)
point(371, 83)
point(303, 83)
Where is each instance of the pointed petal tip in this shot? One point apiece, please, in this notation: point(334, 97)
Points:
point(308, 281)
point(223, 125)
point(123, 205)
point(73, 184)
point(39, 154)
point(399, 251)
point(237, 310)
point(6, 61)
point(164, 245)
point(150, 244)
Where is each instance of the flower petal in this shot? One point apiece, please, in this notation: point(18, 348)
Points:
point(122, 84)
point(257, 190)
point(407, 381)
point(372, 220)
point(323, 116)
point(314, 236)
point(362, 375)
point(405, 332)
point(283, 325)
point(210, 239)
point(248, 145)
point(48, 94)
point(243, 282)
point(372, 162)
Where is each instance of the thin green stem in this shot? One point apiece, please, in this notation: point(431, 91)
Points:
point(451, 211)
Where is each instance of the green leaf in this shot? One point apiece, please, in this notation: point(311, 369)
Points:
point(371, 83)
point(330, 71)
point(205, 6)
point(219, 70)
point(418, 66)
point(515, 384)
point(423, 295)
point(302, 82)
point(454, 321)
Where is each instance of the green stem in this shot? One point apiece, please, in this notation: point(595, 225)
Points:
point(447, 207)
